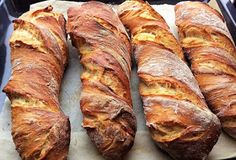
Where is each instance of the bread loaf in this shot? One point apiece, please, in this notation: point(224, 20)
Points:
point(175, 110)
point(39, 55)
point(212, 55)
point(104, 50)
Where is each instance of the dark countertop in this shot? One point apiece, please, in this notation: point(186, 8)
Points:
point(6, 29)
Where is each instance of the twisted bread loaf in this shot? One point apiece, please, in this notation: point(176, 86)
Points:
point(176, 113)
point(103, 44)
point(212, 54)
point(38, 54)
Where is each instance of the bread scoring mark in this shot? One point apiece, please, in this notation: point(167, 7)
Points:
point(168, 88)
point(37, 68)
point(168, 64)
point(106, 104)
point(211, 52)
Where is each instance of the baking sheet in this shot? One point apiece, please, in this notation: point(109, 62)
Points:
point(80, 146)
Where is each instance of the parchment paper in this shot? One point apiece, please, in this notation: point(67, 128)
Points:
point(80, 147)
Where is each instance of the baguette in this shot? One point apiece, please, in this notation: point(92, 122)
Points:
point(176, 113)
point(106, 104)
point(210, 50)
point(39, 55)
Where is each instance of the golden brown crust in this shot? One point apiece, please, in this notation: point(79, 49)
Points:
point(212, 55)
point(175, 110)
point(144, 20)
point(39, 55)
point(106, 104)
